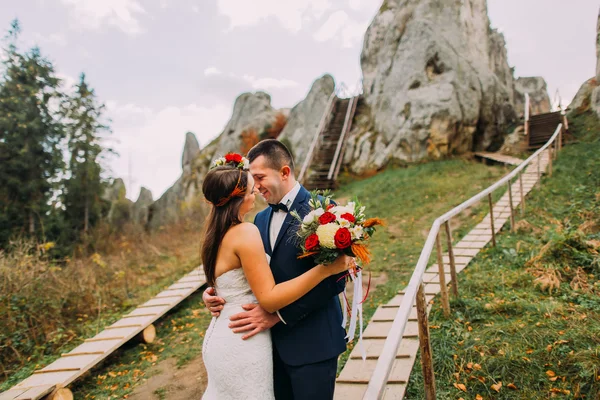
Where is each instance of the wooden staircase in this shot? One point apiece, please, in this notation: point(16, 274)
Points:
point(328, 153)
point(541, 127)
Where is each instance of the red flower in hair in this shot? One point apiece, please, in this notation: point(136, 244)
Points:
point(233, 157)
point(326, 218)
point(348, 217)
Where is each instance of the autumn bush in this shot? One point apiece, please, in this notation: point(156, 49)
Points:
point(47, 304)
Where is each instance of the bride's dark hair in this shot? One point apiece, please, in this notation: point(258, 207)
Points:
point(225, 188)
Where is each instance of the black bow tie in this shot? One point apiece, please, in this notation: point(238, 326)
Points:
point(279, 207)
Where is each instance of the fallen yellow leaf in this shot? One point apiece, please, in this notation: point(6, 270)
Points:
point(497, 386)
point(511, 386)
point(460, 386)
point(550, 373)
point(478, 397)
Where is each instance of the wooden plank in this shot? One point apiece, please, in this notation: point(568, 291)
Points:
point(12, 393)
point(117, 332)
point(387, 314)
point(35, 393)
point(143, 321)
point(359, 371)
point(155, 310)
point(349, 391)
point(394, 391)
point(77, 362)
point(467, 252)
point(51, 378)
point(178, 286)
point(174, 292)
point(373, 347)
point(471, 245)
point(380, 330)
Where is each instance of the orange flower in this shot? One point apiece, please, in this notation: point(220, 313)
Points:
point(372, 222)
point(361, 252)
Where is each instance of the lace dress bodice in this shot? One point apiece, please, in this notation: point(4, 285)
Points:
point(237, 369)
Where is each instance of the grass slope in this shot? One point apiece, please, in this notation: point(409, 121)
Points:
point(527, 325)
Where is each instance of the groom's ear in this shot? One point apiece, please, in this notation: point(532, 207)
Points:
point(285, 172)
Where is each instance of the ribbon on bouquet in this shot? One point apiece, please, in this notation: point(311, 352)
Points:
point(356, 311)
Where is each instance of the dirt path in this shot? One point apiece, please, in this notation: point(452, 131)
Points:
point(167, 382)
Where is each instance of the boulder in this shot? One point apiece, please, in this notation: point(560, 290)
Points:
point(537, 89)
point(304, 119)
point(141, 206)
point(436, 79)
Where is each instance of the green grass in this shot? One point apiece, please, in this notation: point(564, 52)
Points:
point(522, 320)
point(408, 198)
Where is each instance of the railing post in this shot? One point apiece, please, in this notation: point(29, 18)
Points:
point(425, 345)
point(492, 219)
point(443, 287)
point(512, 210)
point(539, 174)
point(453, 283)
point(522, 195)
point(550, 160)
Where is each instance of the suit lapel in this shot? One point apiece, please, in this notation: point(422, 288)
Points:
point(264, 231)
point(298, 204)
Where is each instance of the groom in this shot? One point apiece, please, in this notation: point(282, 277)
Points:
point(307, 335)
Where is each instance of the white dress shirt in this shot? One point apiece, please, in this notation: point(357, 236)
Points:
point(277, 220)
point(279, 216)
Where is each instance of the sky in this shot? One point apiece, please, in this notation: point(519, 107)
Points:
point(165, 67)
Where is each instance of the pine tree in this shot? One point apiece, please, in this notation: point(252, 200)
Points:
point(84, 186)
point(30, 136)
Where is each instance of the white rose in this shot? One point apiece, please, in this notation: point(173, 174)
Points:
point(319, 211)
point(246, 163)
point(356, 232)
point(351, 205)
point(344, 223)
point(340, 210)
point(310, 217)
point(326, 234)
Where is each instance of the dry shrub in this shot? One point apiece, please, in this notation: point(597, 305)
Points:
point(249, 138)
point(534, 261)
point(546, 278)
point(273, 131)
point(525, 227)
point(580, 281)
point(44, 304)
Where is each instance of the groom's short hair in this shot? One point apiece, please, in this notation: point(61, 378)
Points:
point(275, 153)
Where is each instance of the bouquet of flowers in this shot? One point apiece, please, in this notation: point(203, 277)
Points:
point(330, 230)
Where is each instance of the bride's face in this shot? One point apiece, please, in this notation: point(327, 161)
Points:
point(249, 198)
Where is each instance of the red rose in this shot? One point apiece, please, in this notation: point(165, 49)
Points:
point(326, 218)
point(311, 242)
point(348, 217)
point(330, 206)
point(233, 157)
point(342, 238)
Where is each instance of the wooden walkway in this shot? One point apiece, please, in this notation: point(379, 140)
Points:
point(72, 365)
point(354, 378)
point(501, 158)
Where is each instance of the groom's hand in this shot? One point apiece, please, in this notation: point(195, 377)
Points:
point(254, 319)
point(213, 303)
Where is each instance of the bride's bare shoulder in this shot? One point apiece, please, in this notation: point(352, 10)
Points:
point(246, 228)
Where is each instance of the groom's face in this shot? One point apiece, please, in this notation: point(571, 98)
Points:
point(270, 182)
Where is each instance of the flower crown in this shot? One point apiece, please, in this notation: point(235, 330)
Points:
point(237, 161)
point(234, 159)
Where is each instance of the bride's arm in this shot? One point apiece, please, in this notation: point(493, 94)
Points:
point(271, 296)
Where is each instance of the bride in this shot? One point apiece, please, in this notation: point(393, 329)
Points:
point(236, 264)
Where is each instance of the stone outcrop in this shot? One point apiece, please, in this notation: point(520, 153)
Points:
point(436, 79)
point(304, 119)
point(253, 118)
point(537, 89)
point(141, 207)
point(588, 95)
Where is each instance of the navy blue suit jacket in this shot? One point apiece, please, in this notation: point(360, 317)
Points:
point(313, 324)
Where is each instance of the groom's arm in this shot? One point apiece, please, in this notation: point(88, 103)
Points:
point(313, 300)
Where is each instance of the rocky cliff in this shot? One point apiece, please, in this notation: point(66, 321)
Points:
point(588, 95)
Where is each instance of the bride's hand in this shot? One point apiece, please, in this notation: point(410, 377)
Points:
point(341, 264)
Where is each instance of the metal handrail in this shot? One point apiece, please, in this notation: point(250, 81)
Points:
point(313, 144)
point(378, 380)
point(338, 148)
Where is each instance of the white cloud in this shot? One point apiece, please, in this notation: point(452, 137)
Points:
point(58, 39)
point(196, 9)
point(291, 14)
point(339, 26)
point(269, 83)
point(212, 71)
point(355, 4)
point(154, 140)
point(93, 14)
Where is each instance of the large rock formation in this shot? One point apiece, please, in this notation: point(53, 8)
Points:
point(253, 118)
point(305, 117)
point(588, 95)
point(537, 89)
point(436, 79)
point(141, 207)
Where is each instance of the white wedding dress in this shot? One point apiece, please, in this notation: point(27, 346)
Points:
point(237, 369)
